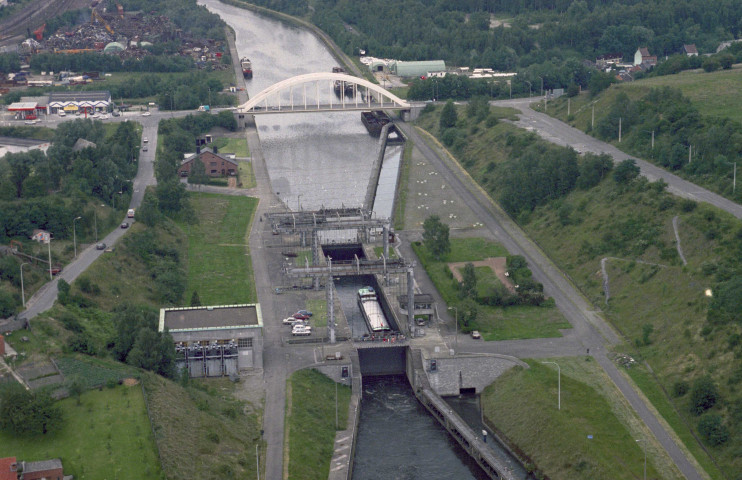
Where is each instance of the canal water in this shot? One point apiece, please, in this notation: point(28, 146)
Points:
point(325, 160)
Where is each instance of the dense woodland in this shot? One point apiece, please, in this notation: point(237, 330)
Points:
point(503, 34)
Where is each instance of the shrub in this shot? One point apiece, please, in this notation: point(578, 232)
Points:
point(712, 430)
point(688, 205)
point(703, 396)
point(680, 388)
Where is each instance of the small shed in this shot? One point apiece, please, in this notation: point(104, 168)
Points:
point(114, 47)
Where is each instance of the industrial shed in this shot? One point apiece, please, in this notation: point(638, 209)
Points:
point(93, 101)
point(416, 69)
point(216, 340)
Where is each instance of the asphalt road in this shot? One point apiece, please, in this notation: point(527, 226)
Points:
point(43, 299)
point(590, 330)
point(560, 133)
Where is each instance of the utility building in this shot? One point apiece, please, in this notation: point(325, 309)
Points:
point(215, 341)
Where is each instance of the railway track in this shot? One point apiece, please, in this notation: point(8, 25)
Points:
point(33, 14)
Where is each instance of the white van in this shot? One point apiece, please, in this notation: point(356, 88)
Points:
point(130, 213)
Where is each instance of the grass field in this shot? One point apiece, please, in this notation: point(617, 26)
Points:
point(107, 436)
point(201, 430)
point(404, 178)
point(594, 435)
point(219, 265)
point(494, 323)
point(238, 146)
point(247, 175)
point(310, 423)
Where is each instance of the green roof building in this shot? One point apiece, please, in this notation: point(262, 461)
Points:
point(415, 69)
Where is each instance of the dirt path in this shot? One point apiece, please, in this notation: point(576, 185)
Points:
point(677, 239)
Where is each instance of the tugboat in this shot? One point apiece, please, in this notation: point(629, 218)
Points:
point(246, 67)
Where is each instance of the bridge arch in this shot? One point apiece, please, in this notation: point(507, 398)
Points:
point(375, 97)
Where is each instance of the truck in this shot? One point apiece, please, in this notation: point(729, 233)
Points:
point(204, 108)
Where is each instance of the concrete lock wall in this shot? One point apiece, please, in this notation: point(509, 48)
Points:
point(467, 372)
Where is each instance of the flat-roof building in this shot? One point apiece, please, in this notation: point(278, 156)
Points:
point(215, 341)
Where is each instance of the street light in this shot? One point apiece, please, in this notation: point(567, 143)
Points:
point(456, 326)
point(23, 293)
point(74, 234)
point(542, 86)
point(529, 88)
point(559, 383)
point(644, 445)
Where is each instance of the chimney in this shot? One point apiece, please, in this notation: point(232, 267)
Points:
point(216, 149)
point(198, 150)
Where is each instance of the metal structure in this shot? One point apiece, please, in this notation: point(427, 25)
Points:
point(366, 96)
point(306, 231)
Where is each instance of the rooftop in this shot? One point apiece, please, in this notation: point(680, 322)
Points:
point(8, 468)
point(29, 467)
point(79, 96)
point(209, 318)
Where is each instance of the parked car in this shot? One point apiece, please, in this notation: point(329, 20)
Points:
point(475, 334)
point(100, 246)
point(56, 269)
point(125, 225)
point(146, 114)
point(144, 148)
point(301, 331)
point(145, 140)
point(62, 113)
point(115, 113)
point(300, 316)
point(291, 321)
point(305, 312)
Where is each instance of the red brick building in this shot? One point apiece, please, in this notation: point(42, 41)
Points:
point(8, 468)
point(215, 164)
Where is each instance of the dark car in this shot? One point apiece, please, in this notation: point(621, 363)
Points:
point(100, 246)
point(300, 316)
point(125, 225)
point(305, 312)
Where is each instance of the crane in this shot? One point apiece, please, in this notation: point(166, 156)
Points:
point(98, 19)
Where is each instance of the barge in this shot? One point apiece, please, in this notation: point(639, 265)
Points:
point(339, 86)
point(375, 121)
point(371, 310)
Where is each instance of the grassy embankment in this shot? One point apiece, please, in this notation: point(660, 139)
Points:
point(714, 94)
point(595, 435)
point(219, 264)
point(494, 323)
point(633, 224)
point(310, 423)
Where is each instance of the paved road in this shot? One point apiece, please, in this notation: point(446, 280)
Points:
point(43, 299)
point(590, 330)
point(560, 133)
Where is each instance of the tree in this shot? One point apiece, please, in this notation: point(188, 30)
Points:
point(448, 116)
point(195, 301)
point(7, 304)
point(713, 431)
point(75, 386)
point(625, 172)
point(703, 395)
point(435, 237)
point(468, 281)
point(149, 211)
point(467, 314)
point(25, 413)
point(153, 351)
point(198, 173)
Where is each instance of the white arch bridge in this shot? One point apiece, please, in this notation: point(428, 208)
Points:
point(322, 92)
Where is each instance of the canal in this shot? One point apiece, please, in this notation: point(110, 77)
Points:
point(325, 160)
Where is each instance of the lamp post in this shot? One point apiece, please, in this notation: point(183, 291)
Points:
point(456, 326)
point(23, 292)
point(559, 385)
point(74, 234)
point(542, 86)
point(644, 447)
point(529, 88)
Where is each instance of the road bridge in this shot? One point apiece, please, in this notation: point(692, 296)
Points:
point(309, 93)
